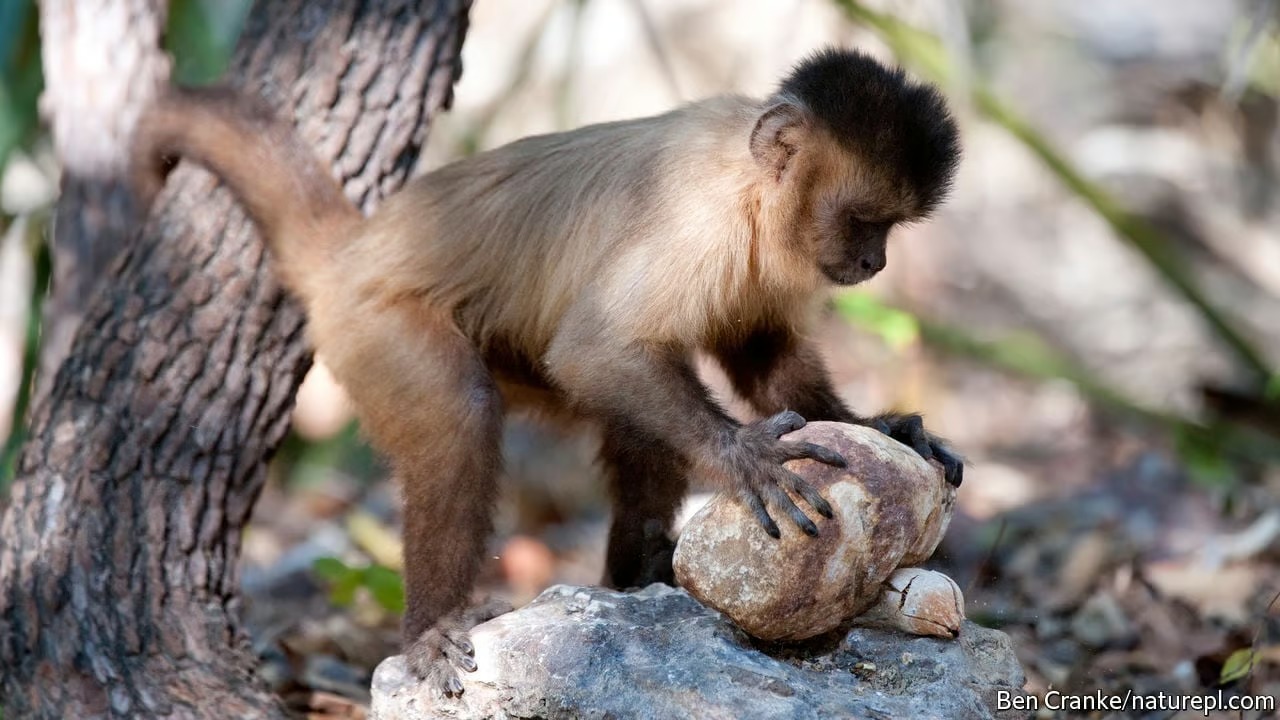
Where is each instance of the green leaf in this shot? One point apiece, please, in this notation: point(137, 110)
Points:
point(343, 592)
point(20, 74)
point(1204, 456)
point(1237, 666)
point(12, 446)
point(343, 579)
point(201, 35)
point(898, 328)
point(386, 586)
point(332, 569)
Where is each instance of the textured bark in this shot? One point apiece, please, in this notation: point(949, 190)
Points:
point(102, 64)
point(119, 551)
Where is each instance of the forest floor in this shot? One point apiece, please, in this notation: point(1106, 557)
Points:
point(1110, 566)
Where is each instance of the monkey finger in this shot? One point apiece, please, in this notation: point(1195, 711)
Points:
point(881, 426)
point(756, 506)
point(813, 451)
point(952, 464)
point(911, 433)
point(783, 423)
point(781, 499)
point(795, 484)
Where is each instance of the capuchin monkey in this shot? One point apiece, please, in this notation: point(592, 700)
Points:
point(580, 272)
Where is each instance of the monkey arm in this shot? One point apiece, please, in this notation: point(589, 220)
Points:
point(776, 370)
point(655, 390)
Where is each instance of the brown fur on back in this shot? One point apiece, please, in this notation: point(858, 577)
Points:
point(654, 223)
point(659, 224)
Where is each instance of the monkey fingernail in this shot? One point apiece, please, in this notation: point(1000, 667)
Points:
point(811, 496)
point(756, 505)
point(806, 524)
point(467, 663)
point(803, 521)
point(822, 454)
point(834, 459)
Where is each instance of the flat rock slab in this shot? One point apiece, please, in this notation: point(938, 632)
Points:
point(658, 653)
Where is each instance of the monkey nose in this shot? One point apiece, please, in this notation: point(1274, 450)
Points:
point(873, 263)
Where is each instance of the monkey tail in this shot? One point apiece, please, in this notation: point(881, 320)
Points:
point(298, 206)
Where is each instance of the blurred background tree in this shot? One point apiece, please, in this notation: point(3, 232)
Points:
point(1094, 318)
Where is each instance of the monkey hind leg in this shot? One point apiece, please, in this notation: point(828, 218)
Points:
point(428, 402)
point(649, 481)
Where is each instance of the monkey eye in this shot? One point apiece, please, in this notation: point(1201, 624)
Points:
point(860, 228)
point(857, 225)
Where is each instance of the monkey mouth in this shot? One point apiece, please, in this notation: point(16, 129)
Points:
point(846, 276)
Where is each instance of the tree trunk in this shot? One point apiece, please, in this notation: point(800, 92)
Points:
point(119, 550)
point(102, 65)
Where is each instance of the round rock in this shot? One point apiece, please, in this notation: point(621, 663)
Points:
point(891, 510)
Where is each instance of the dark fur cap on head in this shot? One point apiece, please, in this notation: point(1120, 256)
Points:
point(878, 111)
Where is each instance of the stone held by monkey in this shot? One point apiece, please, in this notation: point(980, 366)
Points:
point(580, 272)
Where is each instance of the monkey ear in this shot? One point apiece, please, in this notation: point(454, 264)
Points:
point(776, 136)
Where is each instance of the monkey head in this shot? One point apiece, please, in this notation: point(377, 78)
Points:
point(850, 149)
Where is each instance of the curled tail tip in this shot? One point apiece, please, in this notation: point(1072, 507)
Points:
point(164, 132)
point(292, 197)
point(150, 160)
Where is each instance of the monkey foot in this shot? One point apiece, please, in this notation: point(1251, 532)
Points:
point(638, 563)
point(439, 653)
point(655, 558)
point(444, 649)
point(909, 430)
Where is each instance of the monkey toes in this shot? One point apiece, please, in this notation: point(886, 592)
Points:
point(437, 656)
point(909, 430)
point(442, 650)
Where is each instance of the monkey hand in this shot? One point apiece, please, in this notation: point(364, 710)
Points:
point(754, 462)
point(908, 429)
